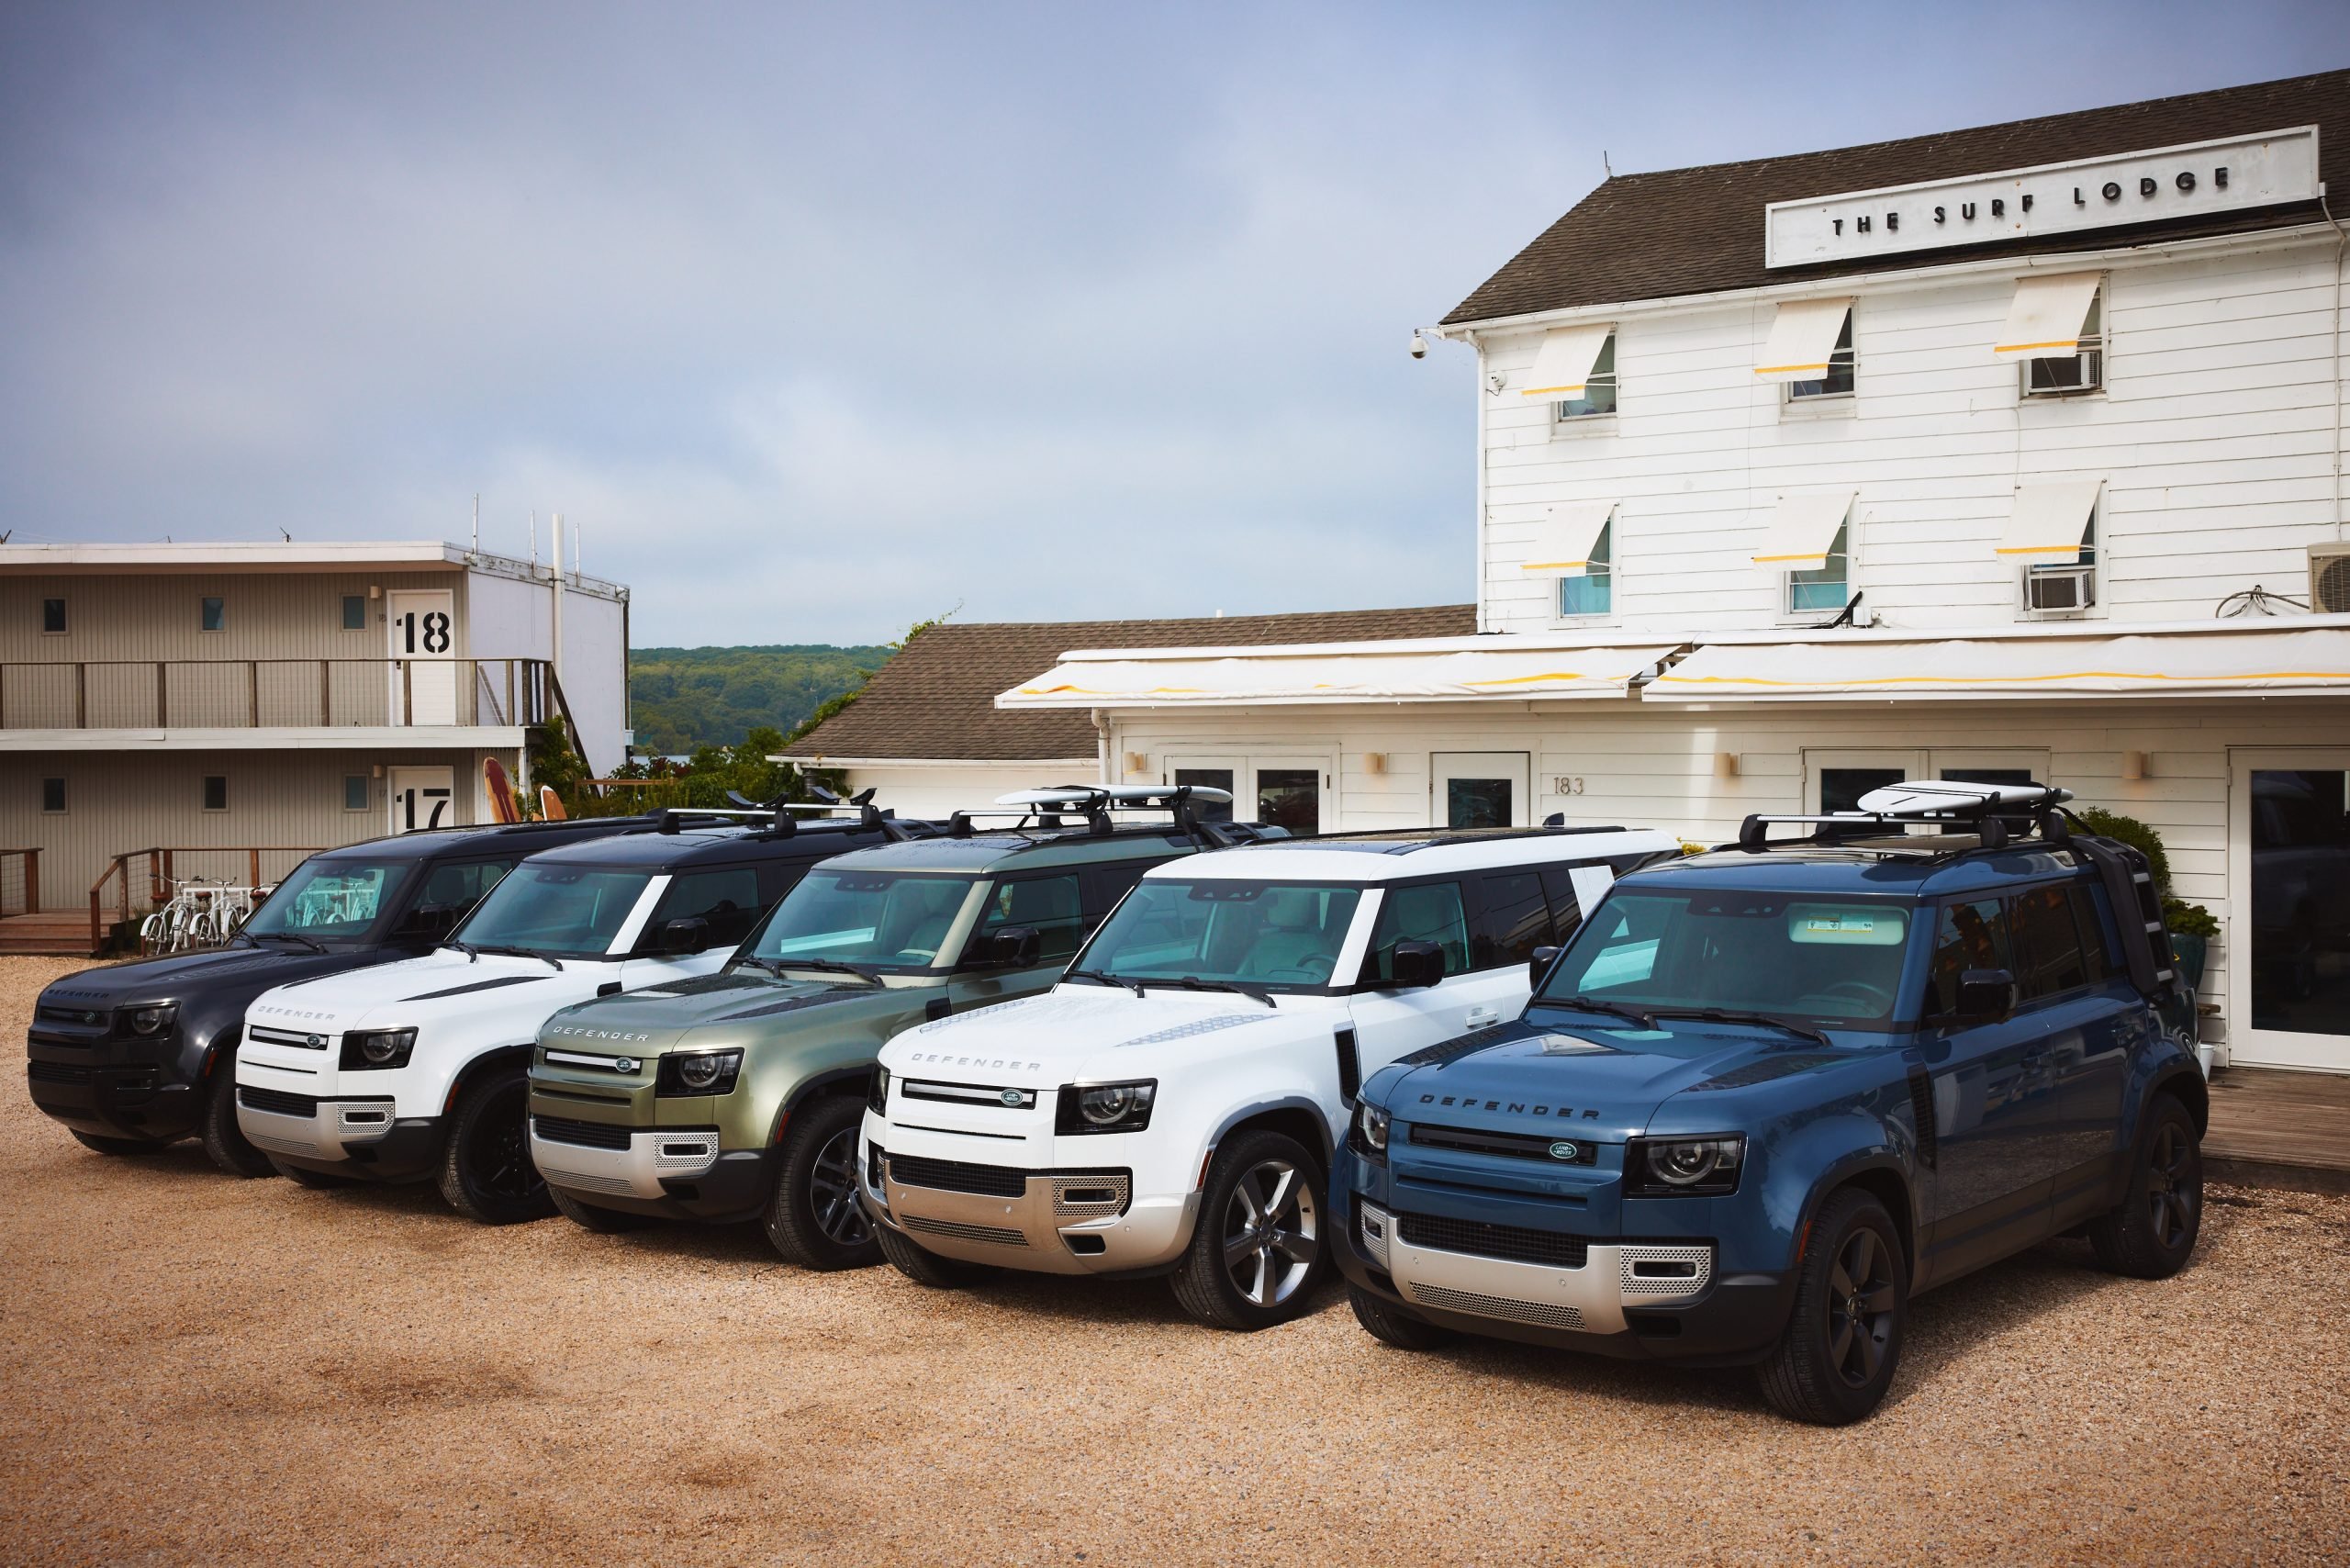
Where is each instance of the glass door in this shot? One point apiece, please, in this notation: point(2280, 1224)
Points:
point(2289, 908)
point(1288, 791)
point(1478, 789)
point(1208, 772)
point(1835, 781)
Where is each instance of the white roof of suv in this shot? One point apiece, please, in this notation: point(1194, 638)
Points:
point(1370, 858)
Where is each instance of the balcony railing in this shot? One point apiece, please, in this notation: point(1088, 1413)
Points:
point(139, 880)
point(20, 881)
point(160, 694)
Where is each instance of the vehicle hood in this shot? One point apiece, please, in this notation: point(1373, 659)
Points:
point(1610, 1081)
point(217, 973)
point(681, 1010)
point(438, 989)
point(1088, 1032)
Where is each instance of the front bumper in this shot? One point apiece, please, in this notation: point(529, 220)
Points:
point(360, 1138)
point(110, 1086)
point(671, 1172)
point(1076, 1221)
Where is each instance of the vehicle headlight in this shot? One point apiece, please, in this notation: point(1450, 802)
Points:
point(1371, 1130)
point(1683, 1167)
point(878, 1096)
point(1104, 1107)
point(377, 1048)
point(150, 1021)
point(699, 1073)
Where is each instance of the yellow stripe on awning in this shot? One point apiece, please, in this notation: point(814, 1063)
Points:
point(1566, 537)
point(1803, 529)
point(2045, 319)
point(1562, 364)
point(1803, 339)
point(2050, 520)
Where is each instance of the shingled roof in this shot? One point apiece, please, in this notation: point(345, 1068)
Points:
point(936, 700)
point(1700, 230)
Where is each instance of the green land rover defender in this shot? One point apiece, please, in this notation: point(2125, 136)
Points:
point(738, 1096)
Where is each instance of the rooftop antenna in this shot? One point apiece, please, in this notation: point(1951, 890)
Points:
point(283, 534)
point(534, 542)
point(476, 523)
point(1605, 165)
point(575, 555)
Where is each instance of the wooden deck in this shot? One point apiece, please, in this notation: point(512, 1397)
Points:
point(61, 933)
point(2265, 1123)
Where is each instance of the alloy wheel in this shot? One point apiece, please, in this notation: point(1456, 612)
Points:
point(832, 1191)
point(1271, 1233)
point(500, 1146)
point(2171, 1193)
point(1860, 1307)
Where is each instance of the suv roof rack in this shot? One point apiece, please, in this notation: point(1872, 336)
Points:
point(1046, 807)
point(774, 819)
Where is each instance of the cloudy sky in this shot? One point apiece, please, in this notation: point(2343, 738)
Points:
point(819, 320)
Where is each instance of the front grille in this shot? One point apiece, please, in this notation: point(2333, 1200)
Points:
point(294, 1038)
point(591, 1134)
point(991, 1096)
point(59, 1072)
point(1541, 1312)
point(956, 1176)
point(1514, 1146)
point(277, 1100)
point(1512, 1243)
point(995, 1234)
point(72, 1019)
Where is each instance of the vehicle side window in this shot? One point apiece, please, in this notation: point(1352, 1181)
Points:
point(2047, 942)
point(1051, 904)
point(1566, 910)
point(1106, 885)
point(1967, 936)
point(1429, 912)
point(778, 878)
point(460, 884)
point(2098, 933)
point(728, 898)
point(1514, 922)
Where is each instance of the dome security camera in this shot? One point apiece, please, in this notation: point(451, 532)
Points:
point(1420, 345)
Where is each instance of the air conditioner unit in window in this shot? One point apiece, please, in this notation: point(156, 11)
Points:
point(2330, 579)
point(2059, 590)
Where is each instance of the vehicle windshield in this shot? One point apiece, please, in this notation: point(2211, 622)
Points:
point(1824, 961)
point(563, 912)
point(325, 898)
point(1277, 935)
point(877, 920)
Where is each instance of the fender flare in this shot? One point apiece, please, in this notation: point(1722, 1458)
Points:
point(490, 1060)
point(825, 1082)
point(1322, 1147)
point(1840, 1173)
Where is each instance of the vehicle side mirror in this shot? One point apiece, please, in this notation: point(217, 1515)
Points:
point(1415, 964)
point(683, 938)
point(1986, 995)
point(1016, 948)
point(1540, 966)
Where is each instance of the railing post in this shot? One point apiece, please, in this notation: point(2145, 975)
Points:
point(509, 693)
point(80, 697)
point(32, 881)
point(326, 693)
point(252, 690)
point(163, 696)
point(97, 921)
point(408, 692)
point(252, 867)
point(160, 892)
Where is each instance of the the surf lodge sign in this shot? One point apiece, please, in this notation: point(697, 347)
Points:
point(2203, 178)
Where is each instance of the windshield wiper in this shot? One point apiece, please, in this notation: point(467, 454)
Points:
point(1097, 976)
point(1734, 1016)
point(828, 966)
point(1645, 1019)
point(312, 943)
point(513, 953)
point(1193, 983)
point(472, 953)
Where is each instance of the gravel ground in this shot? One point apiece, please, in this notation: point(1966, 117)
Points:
point(203, 1370)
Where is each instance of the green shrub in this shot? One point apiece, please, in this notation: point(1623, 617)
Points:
point(2134, 833)
point(2189, 919)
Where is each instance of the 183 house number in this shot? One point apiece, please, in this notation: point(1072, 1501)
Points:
point(1566, 784)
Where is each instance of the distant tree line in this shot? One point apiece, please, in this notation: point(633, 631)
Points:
point(682, 700)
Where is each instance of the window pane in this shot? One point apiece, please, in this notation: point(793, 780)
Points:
point(354, 612)
point(216, 794)
point(329, 897)
point(1049, 903)
point(1209, 778)
point(1591, 594)
point(561, 910)
point(1822, 587)
point(1517, 920)
point(2097, 932)
point(2047, 943)
point(2301, 900)
point(354, 791)
point(52, 615)
point(1290, 797)
point(728, 899)
point(215, 615)
point(1429, 912)
point(1840, 788)
point(1566, 910)
point(1967, 936)
point(1477, 803)
point(1838, 379)
point(460, 887)
point(1271, 934)
point(52, 794)
point(881, 918)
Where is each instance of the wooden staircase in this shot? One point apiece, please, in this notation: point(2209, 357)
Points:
point(61, 932)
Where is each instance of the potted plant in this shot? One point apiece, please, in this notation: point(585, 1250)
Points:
point(2191, 925)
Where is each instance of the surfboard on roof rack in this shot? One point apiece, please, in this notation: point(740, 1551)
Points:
point(1956, 797)
point(1077, 797)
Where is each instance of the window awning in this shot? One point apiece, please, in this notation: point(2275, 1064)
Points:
point(2308, 661)
point(1566, 538)
point(1562, 364)
point(2049, 522)
point(1803, 530)
point(2046, 319)
point(1803, 334)
point(1239, 678)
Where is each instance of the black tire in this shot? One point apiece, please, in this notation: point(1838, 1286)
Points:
point(486, 1169)
point(2152, 1233)
point(120, 1148)
point(1257, 1253)
point(1390, 1325)
point(1842, 1342)
point(814, 1218)
point(927, 1267)
point(318, 1181)
point(587, 1217)
point(224, 1142)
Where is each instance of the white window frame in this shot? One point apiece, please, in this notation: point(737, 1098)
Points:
point(1839, 549)
point(366, 793)
point(2091, 347)
point(1602, 566)
point(2088, 561)
point(1847, 355)
point(1562, 412)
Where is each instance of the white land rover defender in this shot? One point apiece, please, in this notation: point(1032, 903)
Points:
point(415, 1071)
point(1170, 1106)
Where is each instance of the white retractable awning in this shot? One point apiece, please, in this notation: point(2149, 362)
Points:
point(1562, 364)
point(1237, 677)
point(1803, 530)
point(2307, 661)
point(2046, 319)
point(1803, 334)
point(2049, 522)
point(1566, 538)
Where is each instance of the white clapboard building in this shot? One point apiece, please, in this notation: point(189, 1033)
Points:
point(2010, 451)
point(231, 707)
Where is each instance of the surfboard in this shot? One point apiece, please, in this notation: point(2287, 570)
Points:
point(500, 790)
point(1915, 796)
point(551, 804)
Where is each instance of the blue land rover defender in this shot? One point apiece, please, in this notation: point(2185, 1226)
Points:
point(1768, 1093)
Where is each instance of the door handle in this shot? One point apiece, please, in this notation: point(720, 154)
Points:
point(1479, 1016)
